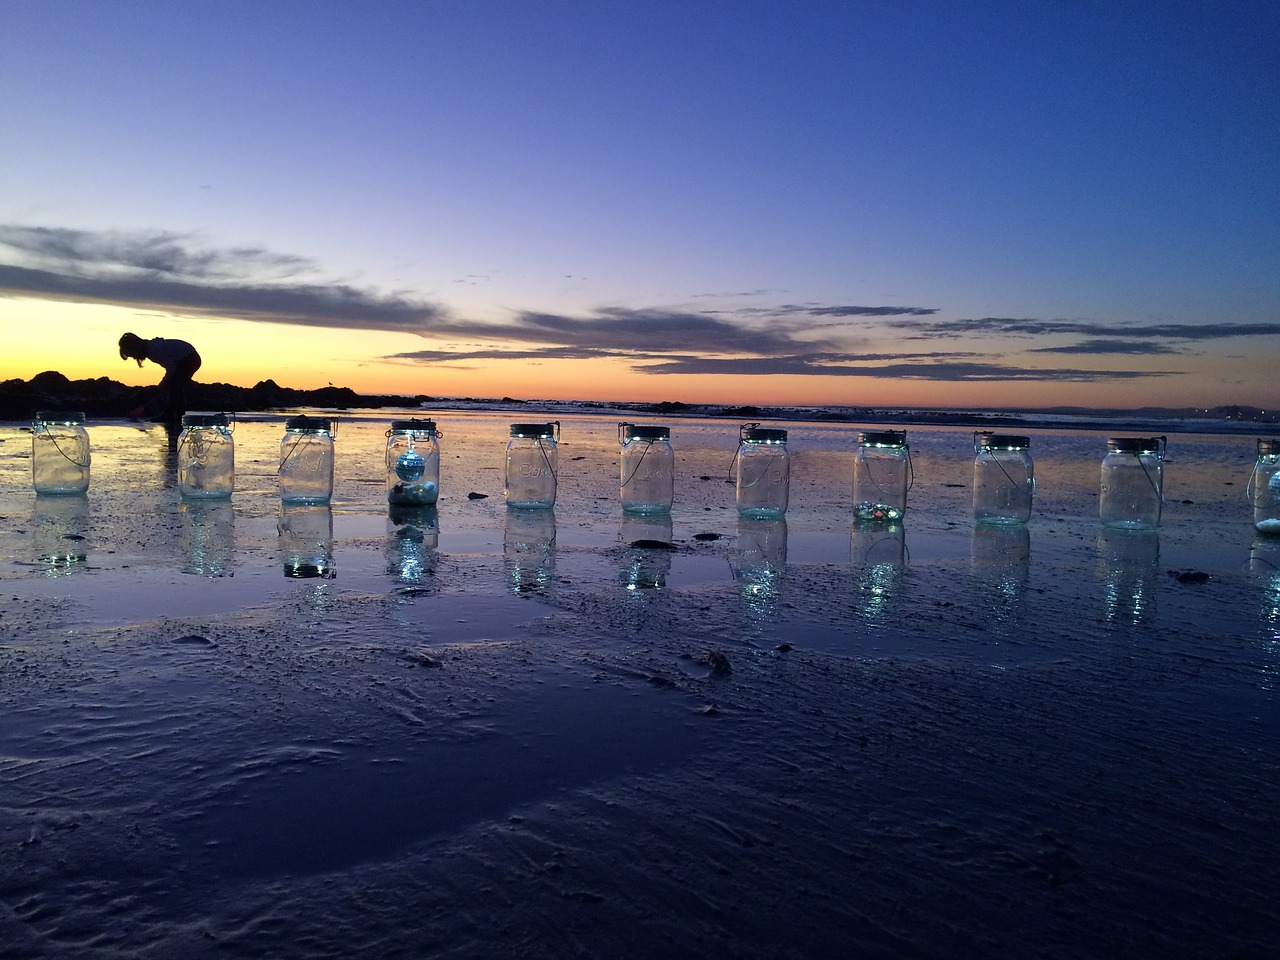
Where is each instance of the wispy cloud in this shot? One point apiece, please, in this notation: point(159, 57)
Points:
point(170, 272)
point(156, 254)
point(1104, 347)
point(945, 371)
point(1026, 327)
point(868, 311)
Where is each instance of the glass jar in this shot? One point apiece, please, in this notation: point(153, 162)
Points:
point(413, 463)
point(1264, 487)
point(529, 478)
point(882, 475)
point(1003, 478)
point(306, 460)
point(59, 453)
point(647, 468)
point(764, 471)
point(206, 457)
point(1132, 483)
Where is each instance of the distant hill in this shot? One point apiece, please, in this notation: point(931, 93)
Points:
point(20, 399)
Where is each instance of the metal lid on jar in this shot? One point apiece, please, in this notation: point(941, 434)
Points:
point(1134, 444)
point(754, 434)
point(539, 431)
point(645, 431)
point(1269, 448)
point(68, 417)
point(883, 438)
point(305, 424)
point(413, 426)
point(204, 420)
point(1002, 441)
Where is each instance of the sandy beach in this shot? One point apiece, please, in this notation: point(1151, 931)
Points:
point(491, 733)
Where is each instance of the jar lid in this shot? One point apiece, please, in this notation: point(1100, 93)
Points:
point(1003, 441)
point(1268, 448)
point(645, 431)
point(305, 424)
point(68, 417)
point(763, 435)
point(204, 420)
point(413, 426)
point(883, 438)
point(540, 431)
point(1133, 444)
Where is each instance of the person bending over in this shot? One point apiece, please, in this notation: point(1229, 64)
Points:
point(180, 361)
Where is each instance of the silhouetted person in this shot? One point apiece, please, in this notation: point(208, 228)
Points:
point(180, 361)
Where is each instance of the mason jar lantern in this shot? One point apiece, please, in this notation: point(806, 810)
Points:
point(413, 463)
point(59, 453)
point(206, 457)
point(882, 475)
point(764, 471)
point(306, 460)
point(1264, 487)
point(1132, 485)
point(1003, 478)
point(529, 477)
point(647, 468)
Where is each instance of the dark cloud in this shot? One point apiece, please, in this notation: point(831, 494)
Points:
point(317, 305)
point(1105, 347)
point(168, 272)
point(502, 353)
point(626, 331)
point(156, 254)
point(1026, 327)
point(868, 311)
point(947, 371)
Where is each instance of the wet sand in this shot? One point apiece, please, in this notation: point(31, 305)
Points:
point(511, 734)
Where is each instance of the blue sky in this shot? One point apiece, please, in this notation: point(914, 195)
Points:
point(977, 204)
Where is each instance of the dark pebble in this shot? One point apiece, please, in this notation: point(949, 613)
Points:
point(653, 545)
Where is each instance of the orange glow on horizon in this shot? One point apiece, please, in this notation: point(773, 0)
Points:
point(80, 341)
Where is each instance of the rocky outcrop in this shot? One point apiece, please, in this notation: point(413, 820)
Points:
point(102, 397)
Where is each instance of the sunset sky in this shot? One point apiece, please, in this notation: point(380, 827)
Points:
point(889, 203)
